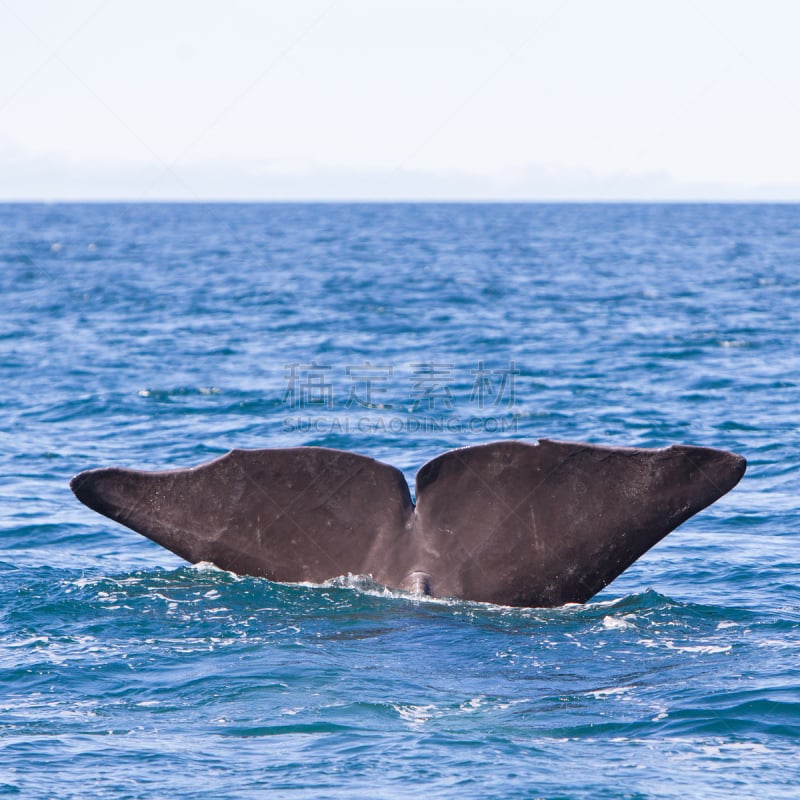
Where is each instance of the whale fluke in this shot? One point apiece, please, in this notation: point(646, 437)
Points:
point(509, 522)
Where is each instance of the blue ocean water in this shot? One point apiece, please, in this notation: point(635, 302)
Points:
point(157, 336)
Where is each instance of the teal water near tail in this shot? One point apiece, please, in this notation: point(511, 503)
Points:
point(157, 336)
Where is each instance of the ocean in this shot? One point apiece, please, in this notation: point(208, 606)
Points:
point(157, 336)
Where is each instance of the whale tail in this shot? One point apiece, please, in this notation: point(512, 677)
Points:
point(508, 522)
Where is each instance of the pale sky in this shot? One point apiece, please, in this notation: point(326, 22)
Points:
point(350, 99)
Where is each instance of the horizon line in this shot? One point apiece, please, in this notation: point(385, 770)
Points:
point(401, 201)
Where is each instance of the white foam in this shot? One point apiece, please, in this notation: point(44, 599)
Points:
point(414, 715)
point(699, 648)
point(615, 623)
point(599, 694)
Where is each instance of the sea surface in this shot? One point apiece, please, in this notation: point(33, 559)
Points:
point(160, 336)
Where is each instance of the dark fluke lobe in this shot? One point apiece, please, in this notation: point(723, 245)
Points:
point(508, 522)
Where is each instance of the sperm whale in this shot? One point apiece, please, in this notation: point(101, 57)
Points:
point(510, 522)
